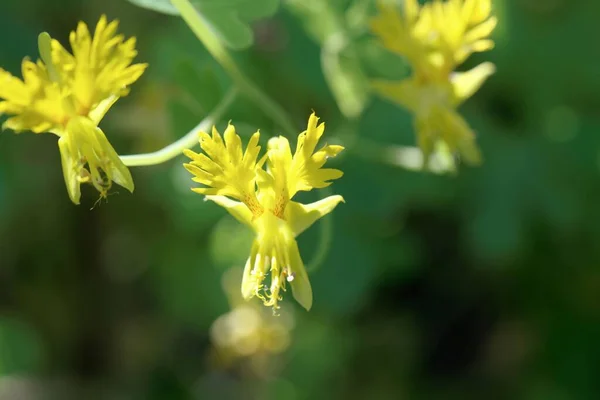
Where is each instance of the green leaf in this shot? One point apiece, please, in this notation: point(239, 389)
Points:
point(161, 6)
point(344, 75)
point(328, 24)
point(229, 19)
point(200, 85)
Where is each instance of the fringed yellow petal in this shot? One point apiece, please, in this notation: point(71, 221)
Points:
point(481, 10)
point(36, 103)
point(305, 170)
point(438, 35)
point(482, 30)
point(101, 65)
point(396, 31)
point(226, 169)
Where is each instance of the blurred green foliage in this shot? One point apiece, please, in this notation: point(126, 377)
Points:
point(480, 285)
point(228, 18)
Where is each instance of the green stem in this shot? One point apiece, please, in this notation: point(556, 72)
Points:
point(405, 157)
point(212, 43)
point(187, 141)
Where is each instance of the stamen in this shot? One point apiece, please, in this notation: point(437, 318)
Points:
point(290, 277)
point(257, 269)
point(83, 175)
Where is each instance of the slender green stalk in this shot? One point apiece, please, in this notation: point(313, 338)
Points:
point(212, 43)
point(187, 141)
point(406, 157)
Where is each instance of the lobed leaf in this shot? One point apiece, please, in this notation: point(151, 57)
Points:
point(229, 19)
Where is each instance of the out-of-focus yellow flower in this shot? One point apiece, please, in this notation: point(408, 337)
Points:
point(68, 94)
point(261, 199)
point(248, 332)
point(435, 39)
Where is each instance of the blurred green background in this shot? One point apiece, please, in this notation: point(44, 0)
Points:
point(481, 285)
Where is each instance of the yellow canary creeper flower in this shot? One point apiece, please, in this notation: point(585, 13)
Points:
point(436, 38)
point(68, 94)
point(259, 194)
point(249, 331)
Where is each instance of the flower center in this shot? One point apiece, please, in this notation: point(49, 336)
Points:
point(270, 258)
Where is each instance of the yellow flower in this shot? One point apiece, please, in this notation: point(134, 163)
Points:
point(248, 331)
point(438, 36)
point(262, 199)
point(68, 94)
point(434, 106)
point(435, 39)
